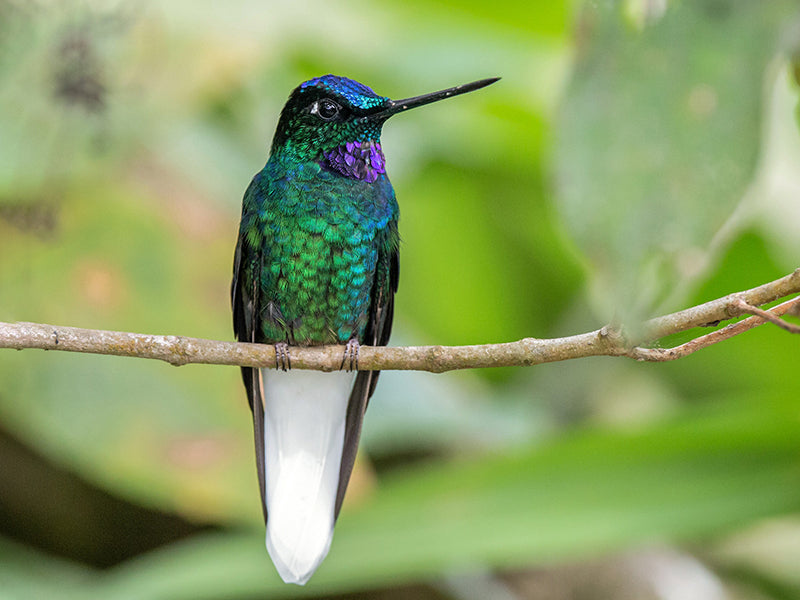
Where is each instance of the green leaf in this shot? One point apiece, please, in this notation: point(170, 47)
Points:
point(592, 493)
point(658, 139)
point(179, 439)
point(28, 575)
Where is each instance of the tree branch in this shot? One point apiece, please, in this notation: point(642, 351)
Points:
point(606, 341)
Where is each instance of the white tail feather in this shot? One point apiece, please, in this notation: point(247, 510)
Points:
point(304, 425)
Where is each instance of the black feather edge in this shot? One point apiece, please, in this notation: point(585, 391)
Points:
point(245, 330)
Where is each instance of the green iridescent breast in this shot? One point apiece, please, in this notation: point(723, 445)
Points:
point(323, 238)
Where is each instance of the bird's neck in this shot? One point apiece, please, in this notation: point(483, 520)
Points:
point(358, 160)
point(361, 160)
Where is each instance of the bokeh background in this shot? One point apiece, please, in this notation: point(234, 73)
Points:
point(637, 157)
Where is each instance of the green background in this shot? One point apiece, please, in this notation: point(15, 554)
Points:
point(636, 158)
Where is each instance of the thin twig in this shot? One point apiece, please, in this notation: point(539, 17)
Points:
point(771, 315)
point(607, 341)
point(727, 332)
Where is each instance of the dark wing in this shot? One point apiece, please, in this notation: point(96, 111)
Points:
point(245, 302)
point(379, 326)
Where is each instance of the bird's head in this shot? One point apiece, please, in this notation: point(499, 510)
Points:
point(338, 121)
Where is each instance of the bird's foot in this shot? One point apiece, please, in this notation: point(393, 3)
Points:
point(350, 355)
point(282, 359)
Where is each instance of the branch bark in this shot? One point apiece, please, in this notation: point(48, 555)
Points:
point(606, 341)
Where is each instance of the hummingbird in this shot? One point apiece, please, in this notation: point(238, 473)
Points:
point(317, 263)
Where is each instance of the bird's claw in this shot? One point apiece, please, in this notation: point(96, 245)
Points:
point(350, 355)
point(283, 361)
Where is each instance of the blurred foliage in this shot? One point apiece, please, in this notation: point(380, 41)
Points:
point(648, 174)
point(635, 154)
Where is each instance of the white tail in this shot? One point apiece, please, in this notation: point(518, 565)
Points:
point(304, 422)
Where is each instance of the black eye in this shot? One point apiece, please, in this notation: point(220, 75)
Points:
point(327, 109)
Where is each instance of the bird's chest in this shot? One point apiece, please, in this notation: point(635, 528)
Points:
point(322, 258)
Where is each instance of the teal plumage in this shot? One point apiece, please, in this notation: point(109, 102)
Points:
point(316, 263)
point(327, 235)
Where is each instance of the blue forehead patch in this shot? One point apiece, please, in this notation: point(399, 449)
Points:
point(357, 94)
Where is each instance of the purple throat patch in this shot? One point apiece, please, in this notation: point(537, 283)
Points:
point(358, 160)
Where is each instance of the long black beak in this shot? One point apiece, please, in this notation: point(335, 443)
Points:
point(397, 106)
